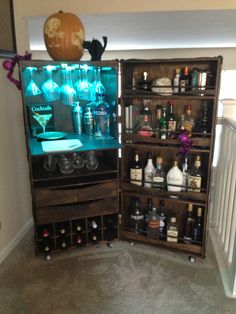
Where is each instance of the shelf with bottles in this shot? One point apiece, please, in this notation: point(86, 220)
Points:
point(163, 122)
point(62, 168)
point(140, 166)
point(70, 101)
point(167, 77)
point(150, 220)
point(76, 233)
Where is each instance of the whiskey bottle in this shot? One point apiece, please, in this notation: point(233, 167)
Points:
point(189, 121)
point(136, 217)
point(136, 171)
point(163, 124)
point(198, 226)
point(153, 224)
point(188, 232)
point(171, 122)
point(162, 221)
point(176, 81)
point(159, 176)
point(148, 172)
point(184, 80)
point(195, 176)
point(174, 178)
point(146, 128)
point(172, 230)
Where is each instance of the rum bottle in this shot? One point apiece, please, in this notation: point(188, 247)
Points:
point(172, 230)
point(188, 232)
point(136, 171)
point(195, 176)
point(148, 172)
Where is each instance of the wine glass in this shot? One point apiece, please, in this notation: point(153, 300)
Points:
point(91, 160)
point(98, 88)
point(49, 163)
point(32, 89)
point(77, 161)
point(42, 119)
point(67, 91)
point(83, 85)
point(51, 90)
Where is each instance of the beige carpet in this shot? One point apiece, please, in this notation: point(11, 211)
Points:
point(101, 280)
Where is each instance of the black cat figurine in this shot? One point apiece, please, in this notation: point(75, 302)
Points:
point(95, 48)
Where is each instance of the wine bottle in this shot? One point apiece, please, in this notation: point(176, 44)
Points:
point(188, 232)
point(162, 221)
point(184, 80)
point(171, 122)
point(136, 171)
point(172, 230)
point(195, 176)
point(136, 216)
point(198, 226)
point(148, 172)
point(174, 178)
point(153, 224)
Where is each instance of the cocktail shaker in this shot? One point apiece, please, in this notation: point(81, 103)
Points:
point(77, 113)
point(89, 121)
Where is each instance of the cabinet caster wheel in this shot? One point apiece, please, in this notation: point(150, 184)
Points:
point(192, 259)
point(48, 257)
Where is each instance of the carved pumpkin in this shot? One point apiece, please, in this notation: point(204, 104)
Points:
point(64, 36)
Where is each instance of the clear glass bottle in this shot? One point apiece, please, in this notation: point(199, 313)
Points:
point(136, 217)
point(188, 231)
point(195, 176)
point(163, 124)
point(174, 178)
point(145, 128)
point(172, 230)
point(148, 172)
point(136, 171)
point(189, 121)
point(158, 121)
point(159, 176)
point(176, 81)
point(184, 80)
point(185, 175)
point(162, 221)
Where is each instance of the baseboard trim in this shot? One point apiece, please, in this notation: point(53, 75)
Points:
point(17, 238)
point(222, 265)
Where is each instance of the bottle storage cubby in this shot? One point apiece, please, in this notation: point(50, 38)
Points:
point(76, 233)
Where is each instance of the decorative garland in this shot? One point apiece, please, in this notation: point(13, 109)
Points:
point(185, 143)
point(9, 65)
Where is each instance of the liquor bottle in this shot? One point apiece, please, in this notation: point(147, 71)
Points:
point(145, 128)
point(94, 232)
point(171, 122)
point(198, 226)
point(203, 125)
point(180, 126)
point(136, 217)
point(172, 230)
point(174, 178)
point(147, 211)
point(163, 124)
point(189, 121)
point(158, 121)
point(153, 224)
point(136, 171)
point(159, 176)
point(148, 172)
point(144, 82)
point(176, 81)
point(195, 176)
point(162, 221)
point(185, 175)
point(188, 232)
point(184, 80)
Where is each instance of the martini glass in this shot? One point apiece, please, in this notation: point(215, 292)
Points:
point(67, 91)
point(51, 90)
point(42, 119)
point(83, 85)
point(32, 89)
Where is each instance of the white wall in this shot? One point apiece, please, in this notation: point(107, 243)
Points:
point(15, 200)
